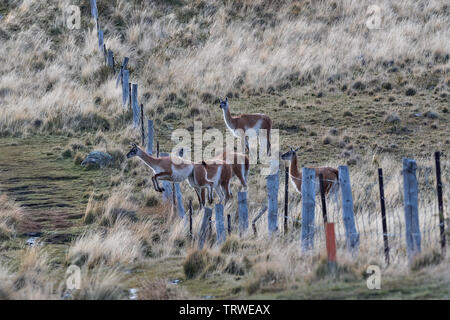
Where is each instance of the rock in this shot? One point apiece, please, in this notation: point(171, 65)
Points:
point(431, 115)
point(97, 159)
point(410, 92)
point(392, 118)
point(386, 85)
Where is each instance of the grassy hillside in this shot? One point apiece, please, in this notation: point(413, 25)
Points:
point(344, 93)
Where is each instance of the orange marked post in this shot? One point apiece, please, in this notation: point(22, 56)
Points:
point(331, 244)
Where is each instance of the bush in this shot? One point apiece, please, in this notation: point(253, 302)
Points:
point(195, 263)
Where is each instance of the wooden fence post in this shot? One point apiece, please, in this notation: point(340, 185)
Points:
point(220, 226)
point(437, 158)
point(190, 219)
point(105, 53)
point(157, 148)
point(167, 193)
point(135, 105)
point(122, 67)
point(125, 87)
point(180, 206)
point(410, 186)
point(150, 134)
point(243, 212)
point(331, 246)
point(351, 234)
point(286, 198)
point(142, 125)
point(204, 227)
point(229, 224)
point(272, 204)
point(308, 208)
point(383, 216)
point(260, 213)
point(100, 40)
point(322, 197)
point(111, 59)
point(94, 10)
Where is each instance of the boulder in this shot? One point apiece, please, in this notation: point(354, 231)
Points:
point(97, 159)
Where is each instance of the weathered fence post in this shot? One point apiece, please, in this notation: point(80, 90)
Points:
point(190, 219)
point(157, 148)
point(437, 157)
point(135, 105)
point(286, 198)
point(150, 134)
point(166, 184)
point(243, 212)
point(229, 224)
point(331, 246)
point(322, 197)
point(142, 125)
point(122, 67)
point(105, 53)
point(220, 226)
point(272, 204)
point(351, 233)
point(181, 211)
point(308, 208)
point(111, 59)
point(204, 227)
point(410, 186)
point(94, 10)
point(100, 40)
point(383, 215)
point(125, 87)
point(260, 213)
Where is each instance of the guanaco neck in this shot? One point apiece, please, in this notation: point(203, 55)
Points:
point(293, 169)
point(229, 120)
point(148, 159)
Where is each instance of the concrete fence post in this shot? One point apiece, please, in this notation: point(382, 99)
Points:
point(220, 225)
point(272, 183)
point(308, 208)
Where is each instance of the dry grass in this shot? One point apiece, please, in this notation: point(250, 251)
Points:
point(10, 217)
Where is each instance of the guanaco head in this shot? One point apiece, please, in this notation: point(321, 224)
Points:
point(290, 154)
point(135, 150)
point(224, 104)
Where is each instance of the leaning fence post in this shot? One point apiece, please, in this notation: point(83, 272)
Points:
point(135, 105)
point(272, 194)
point(383, 215)
point(411, 207)
point(204, 227)
point(100, 39)
point(150, 134)
point(260, 213)
point(351, 234)
point(286, 198)
point(125, 87)
point(243, 212)
point(437, 157)
point(308, 208)
point(220, 226)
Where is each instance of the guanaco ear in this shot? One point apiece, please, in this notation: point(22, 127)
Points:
point(134, 145)
point(298, 148)
point(226, 99)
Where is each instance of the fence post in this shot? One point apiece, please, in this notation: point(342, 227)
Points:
point(437, 157)
point(204, 227)
point(166, 185)
point(135, 105)
point(260, 213)
point(220, 226)
point(100, 39)
point(383, 215)
point(322, 197)
point(125, 87)
point(105, 53)
point(331, 246)
point(190, 219)
point(286, 198)
point(351, 234)
point(94, 10)
point(150, 134)
point(272, 194)
point(243, 212)
point(142, 125)
point(308, 208)
point(111, 59)
point(157, 148)
point(411, 207)
point(181, 211)
point(122, 67)
point(229, 223)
